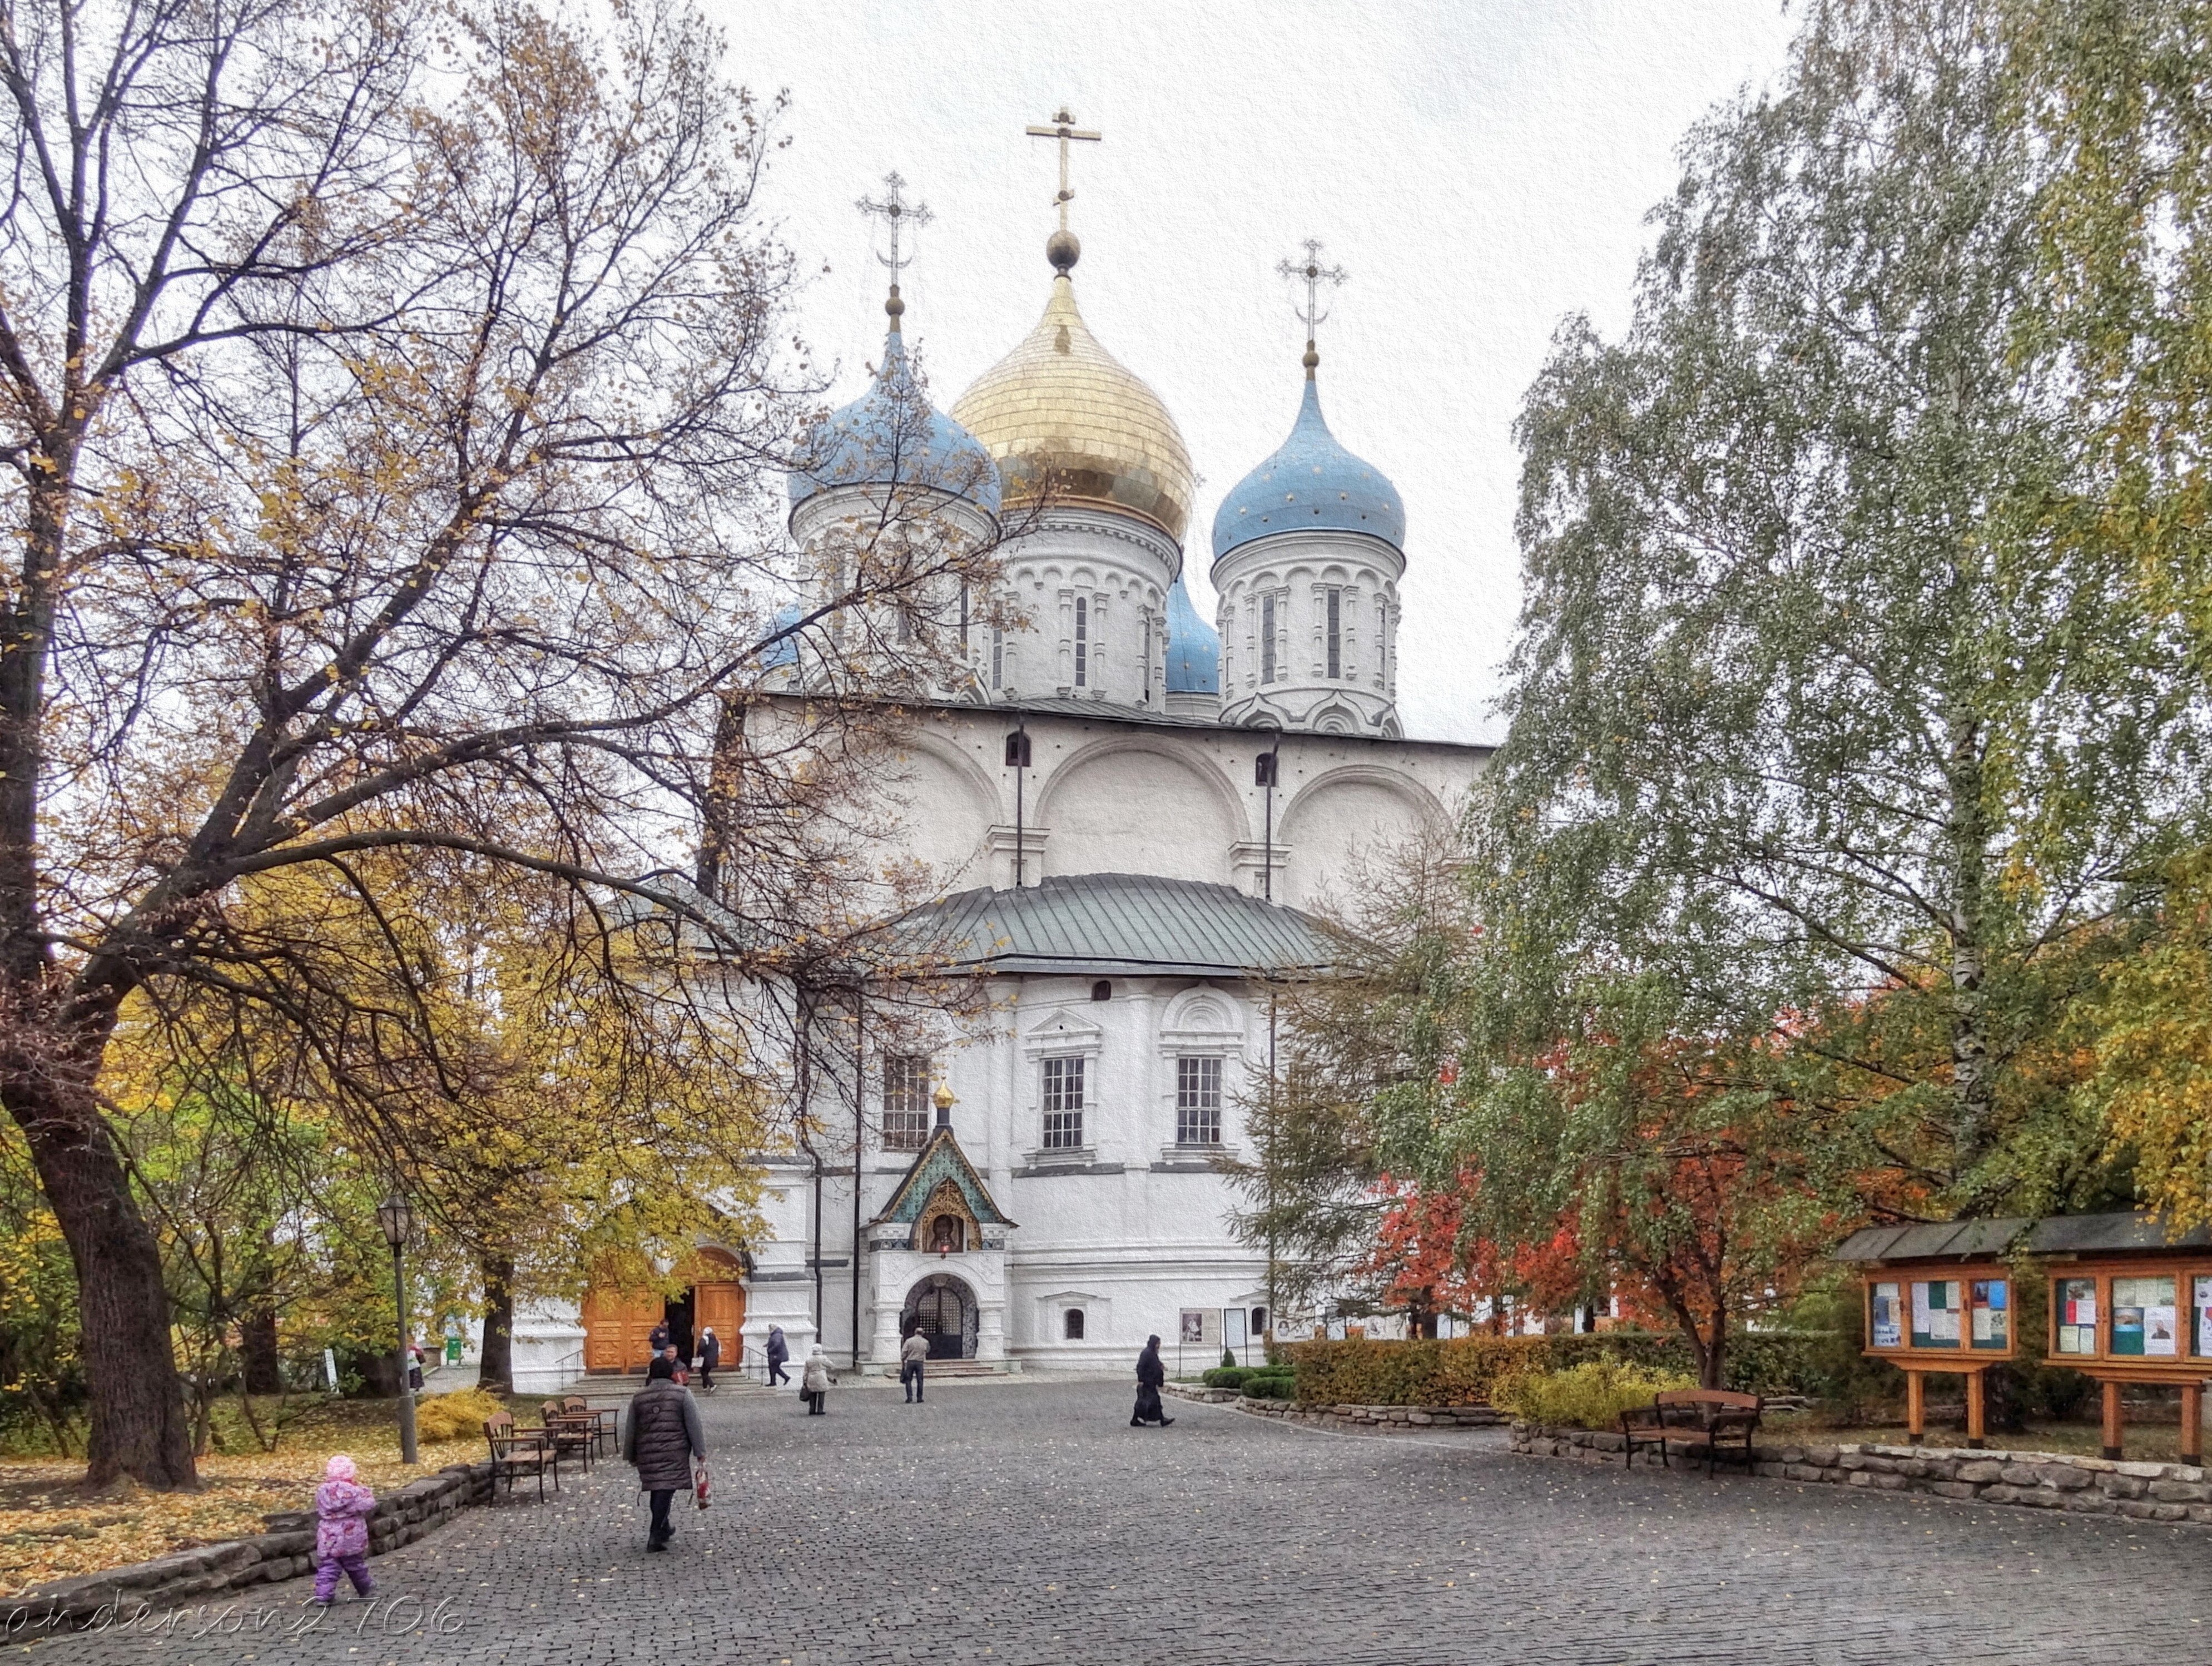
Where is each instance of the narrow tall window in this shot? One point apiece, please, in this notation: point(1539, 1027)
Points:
point(1198, 1102)
point(1063, 1104)
point(1268, 637)
point(998, 659)
point(963, 619)
point(1081, 641)
point(905, 1101)
point(1335, 633)
point(1148, 660)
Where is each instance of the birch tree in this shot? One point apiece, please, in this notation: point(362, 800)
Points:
point(1816, 703)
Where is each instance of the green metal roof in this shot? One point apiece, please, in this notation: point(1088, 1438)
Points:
point(2052, 1235)
point(1129, 923)
point(940, 1160)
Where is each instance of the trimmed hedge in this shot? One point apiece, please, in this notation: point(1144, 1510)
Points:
point(1270, 1385)
point(1463, 1372)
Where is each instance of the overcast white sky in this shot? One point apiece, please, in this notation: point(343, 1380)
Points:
point(1482, 168)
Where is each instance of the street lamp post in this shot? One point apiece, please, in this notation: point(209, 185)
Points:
point(397, 1220)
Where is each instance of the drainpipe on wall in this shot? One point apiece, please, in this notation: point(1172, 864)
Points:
point(859, 1105)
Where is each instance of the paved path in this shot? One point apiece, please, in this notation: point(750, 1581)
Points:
point(1023, 1523)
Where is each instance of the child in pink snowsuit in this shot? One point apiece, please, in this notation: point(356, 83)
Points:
point(342, 1510)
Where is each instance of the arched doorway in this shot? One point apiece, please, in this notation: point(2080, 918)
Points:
point(943, 1309)
point(617, 1322)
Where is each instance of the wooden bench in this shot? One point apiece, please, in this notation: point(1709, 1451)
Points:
point(1692, 1420)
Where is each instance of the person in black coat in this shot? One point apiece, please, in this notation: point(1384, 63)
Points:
point(658, 1343)
point(710, 1355)
point(662, 1438)
point(779, 1352)
point(1151, 1373)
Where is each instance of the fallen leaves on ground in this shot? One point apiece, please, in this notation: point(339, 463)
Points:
point(53, 1527)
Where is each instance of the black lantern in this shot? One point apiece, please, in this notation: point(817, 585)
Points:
point(396, 1218)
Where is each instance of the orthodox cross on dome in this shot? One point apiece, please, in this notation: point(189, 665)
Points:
point(1310, 272)
point(1061, 249)
point(896, 213)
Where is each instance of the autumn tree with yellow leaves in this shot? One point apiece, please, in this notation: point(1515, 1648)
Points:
point(393, 395)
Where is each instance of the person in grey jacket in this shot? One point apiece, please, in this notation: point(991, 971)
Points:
point(913, 1352)
point(662, 1438)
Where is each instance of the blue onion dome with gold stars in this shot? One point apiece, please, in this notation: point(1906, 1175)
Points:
point(891, 436)
point(1310, 484)
point(1194, 648)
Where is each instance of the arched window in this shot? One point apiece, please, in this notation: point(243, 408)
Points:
point(1081, 641)
point(1102, 990)
point(1071, 1325)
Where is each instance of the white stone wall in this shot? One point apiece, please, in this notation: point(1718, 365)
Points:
point(1121, 570)
point(1300, 570)
point(1111, 796)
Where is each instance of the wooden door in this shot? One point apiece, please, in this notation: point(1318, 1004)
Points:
point(618, 1328)
point(722, 1305)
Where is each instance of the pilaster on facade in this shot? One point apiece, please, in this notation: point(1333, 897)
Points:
point(1251, 861)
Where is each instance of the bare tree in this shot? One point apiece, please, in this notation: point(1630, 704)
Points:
point(389, 391)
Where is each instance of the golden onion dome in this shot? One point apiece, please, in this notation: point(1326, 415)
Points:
point(1061, 411)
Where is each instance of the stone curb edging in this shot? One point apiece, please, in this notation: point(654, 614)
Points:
point(285, 1552)
point(2033, 1481)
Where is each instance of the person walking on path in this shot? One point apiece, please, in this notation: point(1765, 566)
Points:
point(343, 1505)
point(912, 1353)
point(778, 1351)
point(661, 1437)
point(658, 1342)
point(710, 1355)
point(1151, 1373)
point(814, 1382)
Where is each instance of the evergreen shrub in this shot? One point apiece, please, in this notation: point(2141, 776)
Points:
point(1224, 1377)
point(1270, 1385)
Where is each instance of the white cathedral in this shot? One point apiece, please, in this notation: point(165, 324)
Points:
point(1036, 1189)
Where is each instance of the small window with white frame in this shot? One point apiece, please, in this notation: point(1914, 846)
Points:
point(1063, 1104)
point(905, 1101)
point(1198, 1101)
point(1335, 631)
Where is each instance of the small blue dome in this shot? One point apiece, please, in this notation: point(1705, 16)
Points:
point(1311, 484)
point(1193, 649)
point(784, 651)
point(892, 436)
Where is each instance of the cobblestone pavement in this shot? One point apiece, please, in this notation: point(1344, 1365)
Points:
point(1025, 1522)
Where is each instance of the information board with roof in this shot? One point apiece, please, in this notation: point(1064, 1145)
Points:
point(1939, 1298)
point(2131, 1303)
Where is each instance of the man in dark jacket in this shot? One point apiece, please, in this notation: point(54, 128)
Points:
point(661, 1437)
point(657, 1344)
point(710, 1355)
point(779, 1352)
point(1151, 1373)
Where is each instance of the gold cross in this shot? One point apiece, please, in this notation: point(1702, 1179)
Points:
point(1064, 130)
